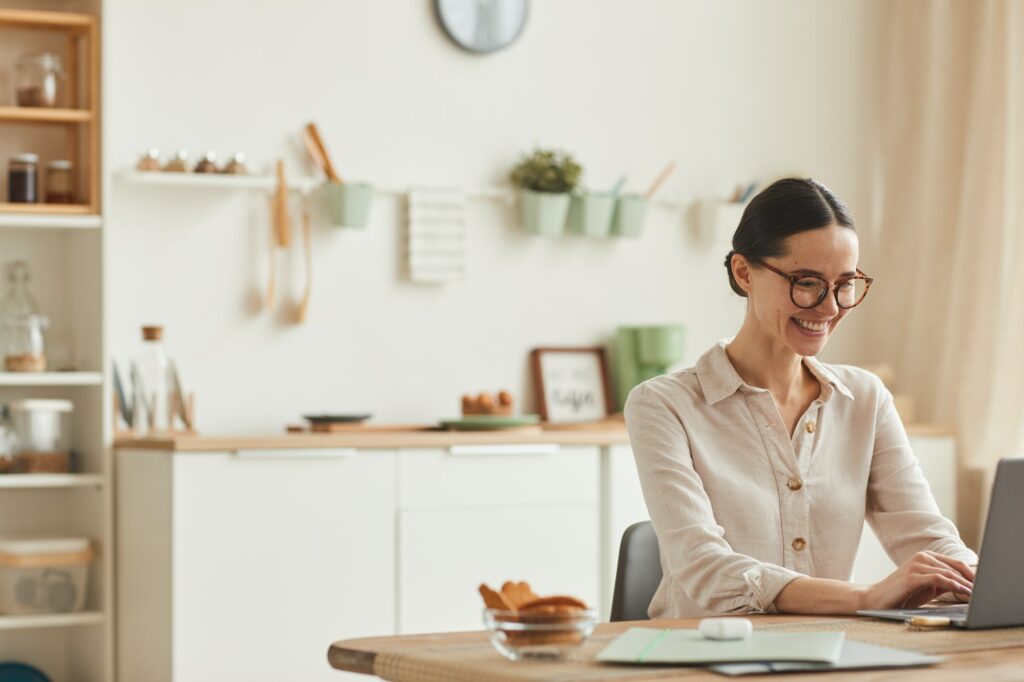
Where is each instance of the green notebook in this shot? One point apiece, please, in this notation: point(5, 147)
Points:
point(689, 647)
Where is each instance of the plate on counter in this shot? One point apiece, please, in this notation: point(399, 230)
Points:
point(336, 418)
point(490, 422)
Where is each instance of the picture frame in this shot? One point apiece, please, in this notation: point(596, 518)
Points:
point(571, 384)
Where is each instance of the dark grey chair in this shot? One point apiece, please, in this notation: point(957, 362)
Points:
point(638, 574)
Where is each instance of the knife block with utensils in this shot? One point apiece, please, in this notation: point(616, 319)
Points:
point(182, 410)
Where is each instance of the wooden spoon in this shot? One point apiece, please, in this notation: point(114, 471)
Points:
point(314, 134)
point(281, 217)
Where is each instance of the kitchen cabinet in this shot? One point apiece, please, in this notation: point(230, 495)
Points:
point(469, 515)
point(247, 564)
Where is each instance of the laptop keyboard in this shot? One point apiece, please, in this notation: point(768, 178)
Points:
point(958, 610)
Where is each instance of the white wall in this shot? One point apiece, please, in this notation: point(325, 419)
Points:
point(730, 90)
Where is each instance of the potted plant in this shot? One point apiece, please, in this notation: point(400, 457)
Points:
point(545, 178)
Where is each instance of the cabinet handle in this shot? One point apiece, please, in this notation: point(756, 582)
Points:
point(470, 450)
point(325, 453)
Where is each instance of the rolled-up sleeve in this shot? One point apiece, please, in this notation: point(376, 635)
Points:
point(900, 506)
point(695, 555)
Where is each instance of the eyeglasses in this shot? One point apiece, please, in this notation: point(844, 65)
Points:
point(808, 291)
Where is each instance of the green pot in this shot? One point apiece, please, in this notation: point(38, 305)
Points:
point(591, 214)
point(543, 212)
point(630, 211)
point(348, 203)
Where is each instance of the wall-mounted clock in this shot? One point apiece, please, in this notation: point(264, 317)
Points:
point(482, 26)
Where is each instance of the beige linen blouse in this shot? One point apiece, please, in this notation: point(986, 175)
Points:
point(740, 509)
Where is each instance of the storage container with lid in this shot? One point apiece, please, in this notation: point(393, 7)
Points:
point(40, 80)
point(59, 185)
point(23, 179)
point(41, 431)
point(43, 575)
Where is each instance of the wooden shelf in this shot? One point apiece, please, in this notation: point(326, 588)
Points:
point(41, 20)
point(51, 221)
point(50, 378)
point(41, 209)
point(51, 620)
point(28, 481)
point(45, 115)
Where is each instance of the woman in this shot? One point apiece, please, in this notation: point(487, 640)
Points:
point(760, 464)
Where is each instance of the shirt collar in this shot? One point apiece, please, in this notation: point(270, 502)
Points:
point(719, 379)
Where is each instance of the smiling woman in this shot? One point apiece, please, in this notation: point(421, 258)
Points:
point(760, 464)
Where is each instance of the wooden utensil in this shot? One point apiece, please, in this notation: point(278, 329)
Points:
point(268, 300)
point(314, 152)
point(281, 218)
point(662, 177)
point(307, 239)
point(314, 134)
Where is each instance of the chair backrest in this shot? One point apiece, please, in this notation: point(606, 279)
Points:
point(638, 574)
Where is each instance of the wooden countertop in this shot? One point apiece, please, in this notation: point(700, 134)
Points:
point(406, 438)
point(468, 655)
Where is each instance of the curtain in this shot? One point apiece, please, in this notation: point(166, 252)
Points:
point(948, 305)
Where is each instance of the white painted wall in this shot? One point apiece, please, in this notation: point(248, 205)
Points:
point(730, 90)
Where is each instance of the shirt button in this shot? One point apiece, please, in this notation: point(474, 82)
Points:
point(799, 544)
point(794, 483)
point(810, 427)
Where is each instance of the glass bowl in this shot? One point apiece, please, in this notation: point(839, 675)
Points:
point(539, 634)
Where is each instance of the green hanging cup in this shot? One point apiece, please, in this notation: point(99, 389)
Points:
point(543, 212)
point(590, 214)
point(348, 203)
point(630, 212)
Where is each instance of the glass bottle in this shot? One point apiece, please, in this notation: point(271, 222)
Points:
point(40, 80)
point(153, 406)
point(19, 301)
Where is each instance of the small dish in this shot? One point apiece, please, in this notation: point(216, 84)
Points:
point(335, 418)
point(490, 422)
point(522, 635)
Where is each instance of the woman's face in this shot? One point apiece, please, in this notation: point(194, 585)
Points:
point(830, 253)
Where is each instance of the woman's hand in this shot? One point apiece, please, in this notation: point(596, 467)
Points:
point(921, 579)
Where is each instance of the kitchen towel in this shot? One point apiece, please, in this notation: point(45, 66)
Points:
point(436, 240)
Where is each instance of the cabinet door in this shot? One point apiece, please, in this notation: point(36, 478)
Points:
point(938, 463)
point(276, 555)
point(444, 555)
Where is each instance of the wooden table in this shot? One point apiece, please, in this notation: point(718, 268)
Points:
point(983, 665)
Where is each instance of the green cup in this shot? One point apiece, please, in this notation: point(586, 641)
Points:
point(590, 214)
point(543, 212)
point(348, 203)
point(659, 345)
point(630, 211)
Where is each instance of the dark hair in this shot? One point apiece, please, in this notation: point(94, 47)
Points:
point(784, 208)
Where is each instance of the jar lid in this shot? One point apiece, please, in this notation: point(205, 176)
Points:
point(47, 60)
point(34, 405)
point(59, 164)
point(26, 158)
point(153, 332)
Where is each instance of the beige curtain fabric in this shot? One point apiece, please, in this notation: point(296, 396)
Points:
point(948, 306)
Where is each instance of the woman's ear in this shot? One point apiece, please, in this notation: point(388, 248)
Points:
point(741, 271)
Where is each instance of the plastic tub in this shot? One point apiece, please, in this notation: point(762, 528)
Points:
point(43, 575)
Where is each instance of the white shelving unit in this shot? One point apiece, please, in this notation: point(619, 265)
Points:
point(64, 248)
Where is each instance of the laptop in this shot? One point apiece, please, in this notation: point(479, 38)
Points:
point(998, 596)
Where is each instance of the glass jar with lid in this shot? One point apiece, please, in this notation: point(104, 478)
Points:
point(23, 179)
point(59, 182)
point(40, 80)
point(25, 345)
